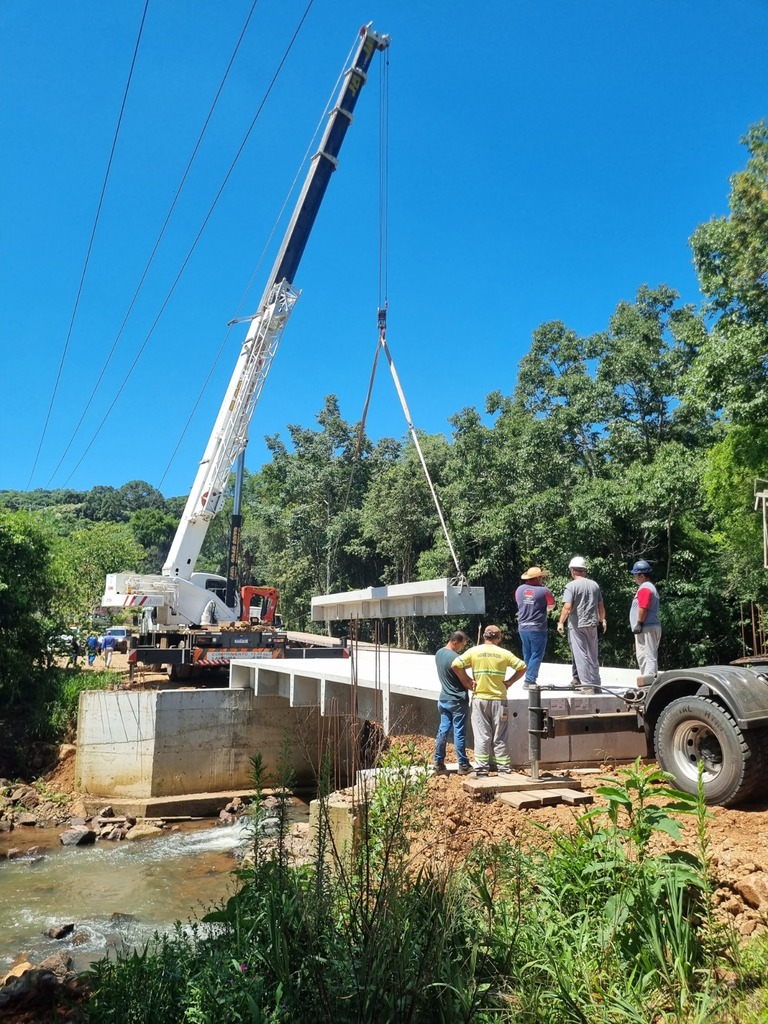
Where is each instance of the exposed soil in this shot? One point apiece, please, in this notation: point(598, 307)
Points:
point(738, 838)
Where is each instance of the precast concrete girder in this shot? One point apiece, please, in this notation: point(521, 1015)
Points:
point(425, 597)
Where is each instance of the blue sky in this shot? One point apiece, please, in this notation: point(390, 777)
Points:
point(545, 160)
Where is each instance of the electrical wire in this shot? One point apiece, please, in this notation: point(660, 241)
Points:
point(172, 207)
point(259, 262)
point(90, 246)
point(192, 248)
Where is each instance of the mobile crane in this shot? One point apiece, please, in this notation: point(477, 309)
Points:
point(180, 600)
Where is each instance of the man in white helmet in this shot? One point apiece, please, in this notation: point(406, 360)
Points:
point(583, 610)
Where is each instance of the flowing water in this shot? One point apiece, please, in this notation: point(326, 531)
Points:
point(147, 884)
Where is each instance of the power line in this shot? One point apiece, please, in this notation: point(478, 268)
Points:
point(157, 243)
point(263, 253)
point(192, 248)
point(90, 245)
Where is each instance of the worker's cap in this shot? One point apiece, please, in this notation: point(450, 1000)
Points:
point(577, 562)
point(491, 632)
point(534, 573)
point(641, 568)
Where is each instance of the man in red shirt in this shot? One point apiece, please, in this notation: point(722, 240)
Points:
point(645, 623)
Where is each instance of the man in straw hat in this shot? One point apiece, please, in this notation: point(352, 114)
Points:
point(534, 602)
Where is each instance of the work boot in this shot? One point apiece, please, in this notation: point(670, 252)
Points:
point(504, 769)
point(439, 768)
point(465, 769)
point(481, 773)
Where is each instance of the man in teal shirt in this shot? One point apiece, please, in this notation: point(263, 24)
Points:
point(453, 705)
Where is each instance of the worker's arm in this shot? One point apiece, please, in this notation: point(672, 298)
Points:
point(466, 680)
point(564, 613)
point(601, 613)
point(513, 678)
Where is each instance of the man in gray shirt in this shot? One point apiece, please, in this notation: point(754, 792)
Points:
point(583, 609)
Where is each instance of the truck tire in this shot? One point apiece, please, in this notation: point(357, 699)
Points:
point(693, 729)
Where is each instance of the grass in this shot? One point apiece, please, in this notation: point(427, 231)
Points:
point(597, 929)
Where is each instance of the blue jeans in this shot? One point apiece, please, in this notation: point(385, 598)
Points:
point(534, 645)
point(453, 715)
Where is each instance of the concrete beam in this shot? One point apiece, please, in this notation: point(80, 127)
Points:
point(425, 597)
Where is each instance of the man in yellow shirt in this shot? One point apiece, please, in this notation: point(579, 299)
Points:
point(489, 663)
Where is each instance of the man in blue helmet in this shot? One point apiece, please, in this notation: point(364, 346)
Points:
point(645, 622)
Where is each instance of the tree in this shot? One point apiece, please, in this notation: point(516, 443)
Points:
point(82, 561)
point(731, 376)
point(302, 512)
point(27, 587)
point(731, 259)
point(103, 504)
point(154, 531)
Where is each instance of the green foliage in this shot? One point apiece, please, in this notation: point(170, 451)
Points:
point(82, 562)
point(594, 927)
point(54, 719)
point(27, 589)
point(623, 934)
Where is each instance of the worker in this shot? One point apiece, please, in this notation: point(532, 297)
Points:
point(91, 645)
point(583, 610)
point(453, 705)
point(534, 601)
point(645, 623)
point(489, 663)
point(108, 644)
point(209, 616)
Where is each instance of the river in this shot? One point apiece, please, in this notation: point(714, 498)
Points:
point(157, 881)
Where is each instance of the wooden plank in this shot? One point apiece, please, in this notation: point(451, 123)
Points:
point(571, 796)
point(517, 782)
point(521, 801)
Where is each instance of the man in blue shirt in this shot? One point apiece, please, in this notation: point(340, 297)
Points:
point(108, 645)
point(453, 705)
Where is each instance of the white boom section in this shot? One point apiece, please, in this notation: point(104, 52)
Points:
point(230, 432)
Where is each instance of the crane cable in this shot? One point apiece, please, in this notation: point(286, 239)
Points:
point(460, 579)
point(156, 246)
point(90, 247)
point(195, 241)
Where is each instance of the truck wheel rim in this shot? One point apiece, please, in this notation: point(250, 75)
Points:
point(694, 742)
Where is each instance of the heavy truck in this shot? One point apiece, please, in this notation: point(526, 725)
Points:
point(193, 620)
point(713, 719)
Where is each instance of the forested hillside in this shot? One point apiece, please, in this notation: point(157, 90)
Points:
point(640, 441)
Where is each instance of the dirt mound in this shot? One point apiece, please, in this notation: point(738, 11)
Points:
point(737, 838)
